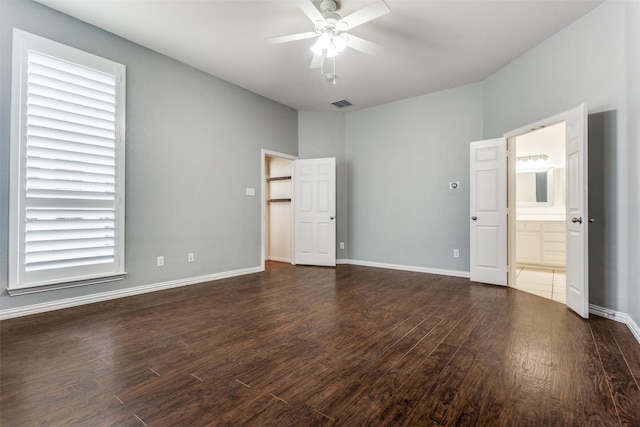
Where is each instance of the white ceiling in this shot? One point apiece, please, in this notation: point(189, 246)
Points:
point(427, 45)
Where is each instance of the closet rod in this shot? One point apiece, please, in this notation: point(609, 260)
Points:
point(278, 178)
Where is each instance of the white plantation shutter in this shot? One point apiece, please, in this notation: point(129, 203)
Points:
point(67, 198)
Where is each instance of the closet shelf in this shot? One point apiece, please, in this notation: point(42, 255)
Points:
point(278, 178)
point(278, 200)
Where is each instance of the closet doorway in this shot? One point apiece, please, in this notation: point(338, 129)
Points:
point(540, 212)
point(277, 207)
point(298, 209)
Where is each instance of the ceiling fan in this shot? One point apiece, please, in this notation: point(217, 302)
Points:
point(331, 29)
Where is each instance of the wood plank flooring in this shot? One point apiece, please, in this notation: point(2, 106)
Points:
point(307, 346)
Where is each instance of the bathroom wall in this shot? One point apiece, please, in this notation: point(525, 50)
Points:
point(549, 141)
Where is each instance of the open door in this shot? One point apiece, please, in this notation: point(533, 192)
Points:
point(577, 215)
point(314, 183)
point(488, 211)
point(576, 188)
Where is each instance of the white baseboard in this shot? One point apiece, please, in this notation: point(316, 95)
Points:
point(594, 309)
point(618, 317)
point(413, 268)
point(278, 259)
point(120, 293)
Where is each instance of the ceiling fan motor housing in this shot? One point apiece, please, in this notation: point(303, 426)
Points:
point(330, 29)
point(328, 6)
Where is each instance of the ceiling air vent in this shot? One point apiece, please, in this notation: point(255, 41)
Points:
point(342, 103)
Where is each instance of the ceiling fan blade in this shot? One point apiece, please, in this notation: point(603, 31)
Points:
point(366, 14)
point(292, 37)
point(363, 45)
point(310, 10)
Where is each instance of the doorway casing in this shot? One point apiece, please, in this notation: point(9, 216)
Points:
point(576, 192)
point(263, 202)
point(576, 214)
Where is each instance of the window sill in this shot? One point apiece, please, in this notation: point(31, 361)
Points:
point(35, 289)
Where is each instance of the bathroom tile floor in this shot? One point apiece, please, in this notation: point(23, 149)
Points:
point(550, 284)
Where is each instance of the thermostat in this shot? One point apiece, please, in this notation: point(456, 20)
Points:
point(454, 185)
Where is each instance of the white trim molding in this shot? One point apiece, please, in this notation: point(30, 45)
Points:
point(279, 259)
point(454, 273)
point(593, 309)
point(264, 153)
point(618, 316)
point(120, 293)
point(75, 150)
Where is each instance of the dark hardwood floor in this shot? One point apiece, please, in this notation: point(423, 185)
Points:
point(272, 265)
point(303, 346)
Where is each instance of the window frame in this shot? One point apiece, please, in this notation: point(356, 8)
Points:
point(19, 283)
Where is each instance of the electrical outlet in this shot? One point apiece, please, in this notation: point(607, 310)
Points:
point(190, 258)
point(160, 261)
point(456, 253)
point(341, 245)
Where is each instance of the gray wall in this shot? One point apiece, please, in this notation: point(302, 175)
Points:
point(402, 157)
point(603, 207)
point(193, 145)
point(322, 134)
point(585, 62)
point(633, 123)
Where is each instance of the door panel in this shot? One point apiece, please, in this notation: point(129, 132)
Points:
point(305, 204)
point(488, 253)
point(324, 230)
point(577, 215)
point(323, 196)
point(488, 211)
point(306, 238)
point(487, 182)
point(314, 207)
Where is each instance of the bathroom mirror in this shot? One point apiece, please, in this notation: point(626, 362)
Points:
point(534, 187)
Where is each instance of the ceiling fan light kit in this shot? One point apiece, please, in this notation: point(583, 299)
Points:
point(330, 29)
point(330, 43)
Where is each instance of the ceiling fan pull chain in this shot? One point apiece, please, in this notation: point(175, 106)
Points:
point(334, 70)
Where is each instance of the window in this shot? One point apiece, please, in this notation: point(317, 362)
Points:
point(67, 167)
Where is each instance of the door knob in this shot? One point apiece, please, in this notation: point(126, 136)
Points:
point(592, 220)
point(331, 218)
point(474, 217)
point(577, 220)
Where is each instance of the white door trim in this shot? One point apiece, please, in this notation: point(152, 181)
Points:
point(511, 185)
point(565, 116)
point(263, 202)
point(539, 124)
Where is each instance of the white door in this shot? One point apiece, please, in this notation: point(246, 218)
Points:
point(577, 215)
point(488, 211)
point(314, 182)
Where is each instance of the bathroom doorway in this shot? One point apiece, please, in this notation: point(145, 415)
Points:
point(540, 212)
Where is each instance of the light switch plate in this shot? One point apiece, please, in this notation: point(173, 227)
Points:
point(250, 191)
